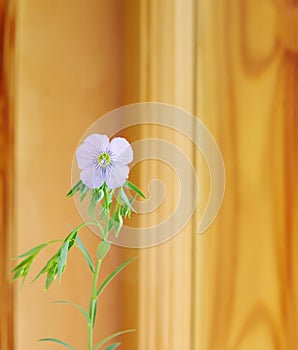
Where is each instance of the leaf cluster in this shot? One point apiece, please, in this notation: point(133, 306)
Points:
point(107, 206)
point(54, 267)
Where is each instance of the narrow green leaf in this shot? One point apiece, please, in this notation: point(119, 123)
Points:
point(57, 341)
point(23, 263)
point(97, 196)
point(32, 251)
point(110, 225)
point(62, 259)
point(108, 198)
point(86, 254)
point(134, 188)
point(103, 249)
point(48, 266)
point(104, 213)
point(51, 276)
point(72, 235)
point(75, 189)
point(79, 307)
point(19, 273)
point(117, 222)
point(125, 212)
point(113, 274)
point(125, 199)
point(113, 346)
point(102, 342)
point(84, 192)
point(133, 198)
point(94, 314)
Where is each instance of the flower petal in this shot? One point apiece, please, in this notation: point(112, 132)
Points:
point(100, 142)
point(121, 151)
point(86, 155)
point(91, 177)
point(117, 176)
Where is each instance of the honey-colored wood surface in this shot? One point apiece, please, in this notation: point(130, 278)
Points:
point(232, 63)
point(69, 73)
point(246, 265)
point(7, 20)
point(166, 75)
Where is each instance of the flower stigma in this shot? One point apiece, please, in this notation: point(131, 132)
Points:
point(104, 160)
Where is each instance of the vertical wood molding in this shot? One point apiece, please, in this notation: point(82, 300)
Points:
point(289, 273)
point(7, 23)
point(166, 75)
point(289, 262)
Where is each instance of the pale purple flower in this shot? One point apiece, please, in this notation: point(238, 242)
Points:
point(103, 161)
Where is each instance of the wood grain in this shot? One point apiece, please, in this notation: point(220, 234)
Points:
point(7, 23)
point(246, 291)
point(234, 64)
point(166, 71)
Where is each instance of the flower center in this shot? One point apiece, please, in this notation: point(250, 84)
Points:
point(104, 160)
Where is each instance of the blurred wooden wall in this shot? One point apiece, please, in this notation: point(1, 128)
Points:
point(246, 294)
point(234, 65)
point(7, 44)
point(69, 72)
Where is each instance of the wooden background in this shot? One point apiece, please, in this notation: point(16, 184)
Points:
point(7, 46)
point(233, 64)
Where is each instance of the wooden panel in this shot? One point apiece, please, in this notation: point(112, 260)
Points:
point(69, 73)
point(7, 20)
point(166, 71)
point(289, 274)
point(246, 266)
point(234, 64)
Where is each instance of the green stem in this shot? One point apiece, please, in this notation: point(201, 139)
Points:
point(91, 223)
point(94, 296)
point(92, 306)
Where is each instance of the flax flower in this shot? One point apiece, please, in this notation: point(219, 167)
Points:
point(102, 161)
